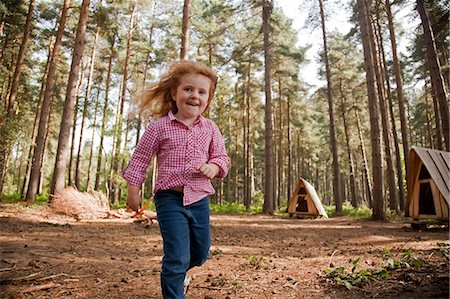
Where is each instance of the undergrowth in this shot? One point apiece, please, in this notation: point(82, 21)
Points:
point(352, 275)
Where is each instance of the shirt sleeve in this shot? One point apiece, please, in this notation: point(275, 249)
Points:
point(134, 173)
point(217, 152)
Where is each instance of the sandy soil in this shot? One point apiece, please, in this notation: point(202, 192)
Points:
point(49, 255)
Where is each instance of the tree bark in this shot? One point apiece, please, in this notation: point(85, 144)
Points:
point(268, 206)
point(6, 134)
point(333, 142)
point(289, 148)
point(434, 68)
point(400, 96)
point(58, 179)
point(20, 58)
point(36, 120)
point(349, 150)
point(185, 30)
point(74, 125)
point(85, 112)
point(36, 165)
point(104, 117)
point(378, 51)
point(378, 205)
point(118, 141)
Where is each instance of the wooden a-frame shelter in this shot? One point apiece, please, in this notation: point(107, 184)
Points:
point(428, 184)
point(305, 202)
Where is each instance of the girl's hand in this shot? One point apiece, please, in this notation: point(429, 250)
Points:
point(134, 198)
point(209, 170)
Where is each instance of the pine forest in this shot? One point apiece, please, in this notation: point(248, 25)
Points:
point(72, 71)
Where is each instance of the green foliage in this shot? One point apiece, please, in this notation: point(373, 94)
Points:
point(12, 197)
point(15, 197)
point(444, 249)
point(254, 262)
point(350, 277)
point(407, 260)
point(349, 210)
point(234, 208)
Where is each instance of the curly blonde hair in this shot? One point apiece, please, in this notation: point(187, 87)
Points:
point(157, 100)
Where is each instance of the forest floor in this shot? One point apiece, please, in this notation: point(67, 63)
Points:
point(44, 254)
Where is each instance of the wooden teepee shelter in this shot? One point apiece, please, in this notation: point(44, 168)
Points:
point(305, 202)
point(428, 184)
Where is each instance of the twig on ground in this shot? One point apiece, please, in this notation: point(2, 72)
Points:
point(331, 258)
point(66, 275)
point(213, 288)
point(403, 245)
point(8, 269)
point(26, 277)
point(41, 287)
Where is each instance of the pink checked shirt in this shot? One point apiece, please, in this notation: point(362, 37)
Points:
point(180, 150)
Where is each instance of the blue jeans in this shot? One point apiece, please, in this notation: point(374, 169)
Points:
point(186, 237)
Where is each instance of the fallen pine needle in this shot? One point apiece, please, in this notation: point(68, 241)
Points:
point(53, 276)
point(8, 269)
point(41, 287)
point(71, 280)
point(26, 277)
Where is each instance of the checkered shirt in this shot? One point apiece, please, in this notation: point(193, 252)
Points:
point(180, 151)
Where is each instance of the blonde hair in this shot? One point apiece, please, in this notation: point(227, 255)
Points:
point(157, 100)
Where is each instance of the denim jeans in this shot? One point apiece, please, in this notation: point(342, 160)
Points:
point(186, 237)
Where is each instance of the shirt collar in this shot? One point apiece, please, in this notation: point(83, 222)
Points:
point(200, 119)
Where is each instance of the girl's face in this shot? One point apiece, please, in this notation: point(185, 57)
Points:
point(191, 97)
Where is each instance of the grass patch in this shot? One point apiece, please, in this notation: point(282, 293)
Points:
point(234, 208)
point(349, 210)
point(15, 197)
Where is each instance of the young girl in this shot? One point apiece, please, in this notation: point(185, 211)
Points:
point(190, 152)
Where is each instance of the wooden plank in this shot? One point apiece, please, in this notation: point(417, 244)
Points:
point(438, 161)
point(433, 170)
point(436, 197)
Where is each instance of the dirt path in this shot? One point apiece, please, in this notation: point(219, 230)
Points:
point(45, 255)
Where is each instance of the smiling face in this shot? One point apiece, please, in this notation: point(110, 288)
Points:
point(191, 97)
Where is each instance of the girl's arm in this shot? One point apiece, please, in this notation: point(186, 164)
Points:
point(218, 155)
point(134, 174)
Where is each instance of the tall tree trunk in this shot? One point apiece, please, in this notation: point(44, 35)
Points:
point(366, 172)
point(434, 68)
point(280, 159)
point(245, 141)
point(185, 30)
point(74, 125)
point(437, 117)
point(45, 110)
point(333, 142)
point(398, 201)
point(6, 134)
point(248, 141)
point(400, 95)
point(85, 112)
point(91, 151)
point(20, 59)
point(268, 207)
point(36, 120)
point(380, 74)
point(116, 159)
point(58, 178)
point(289, 145)
point(349, 150)
point(428, 117)
point(377, 165)
point(105, 112)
